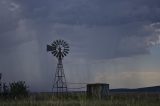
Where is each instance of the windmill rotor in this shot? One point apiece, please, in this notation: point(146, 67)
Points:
point(59, 48)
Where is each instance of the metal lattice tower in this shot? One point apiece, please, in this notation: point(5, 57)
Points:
point(59, 49)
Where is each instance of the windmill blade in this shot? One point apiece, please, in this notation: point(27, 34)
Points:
point(53, 44)
point(54, 52)
point(57, 42)
point(62, 42)
point(62, 55)
point(66, 46)
point(66, 49)
point(57, 54)
point(66, 52)
point(49, 48)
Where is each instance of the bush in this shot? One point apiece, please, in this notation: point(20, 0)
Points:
point(18, 89)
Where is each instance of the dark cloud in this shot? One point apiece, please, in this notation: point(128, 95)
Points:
point(8, 18)
point(91, 12)
point(95, 29)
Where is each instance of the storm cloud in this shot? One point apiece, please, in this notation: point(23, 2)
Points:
point(96, 30)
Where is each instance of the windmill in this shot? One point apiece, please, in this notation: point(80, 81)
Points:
point(59, 49)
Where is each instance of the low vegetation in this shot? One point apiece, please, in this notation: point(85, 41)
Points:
point(14, 90)
point(47, 99)
point(17, 94)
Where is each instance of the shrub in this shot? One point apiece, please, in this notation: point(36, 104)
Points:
point(18, 89)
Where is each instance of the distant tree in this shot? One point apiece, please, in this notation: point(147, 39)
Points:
point(5, 90)
point(18, 89)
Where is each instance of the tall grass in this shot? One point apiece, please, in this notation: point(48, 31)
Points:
point(82, 100)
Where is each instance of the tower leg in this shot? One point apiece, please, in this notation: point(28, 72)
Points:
point(60, 85)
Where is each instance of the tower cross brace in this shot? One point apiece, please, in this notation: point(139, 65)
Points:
point(60, 81)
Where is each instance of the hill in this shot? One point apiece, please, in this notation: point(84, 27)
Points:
point(154, 89)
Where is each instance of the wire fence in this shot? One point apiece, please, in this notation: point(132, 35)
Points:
point(77, 88)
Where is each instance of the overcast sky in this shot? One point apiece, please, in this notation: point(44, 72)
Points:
point(111, 41)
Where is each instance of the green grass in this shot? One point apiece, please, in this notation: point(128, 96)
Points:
point(81, 100)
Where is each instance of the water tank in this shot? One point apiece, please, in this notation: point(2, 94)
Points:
point(98, 90)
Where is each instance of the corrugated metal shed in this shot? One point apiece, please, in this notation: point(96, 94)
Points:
point(98, 90)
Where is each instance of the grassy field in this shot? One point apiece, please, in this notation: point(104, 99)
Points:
point(82, 100)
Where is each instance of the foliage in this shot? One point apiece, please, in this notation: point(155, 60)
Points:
point(5, 92)
point(18, 89)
